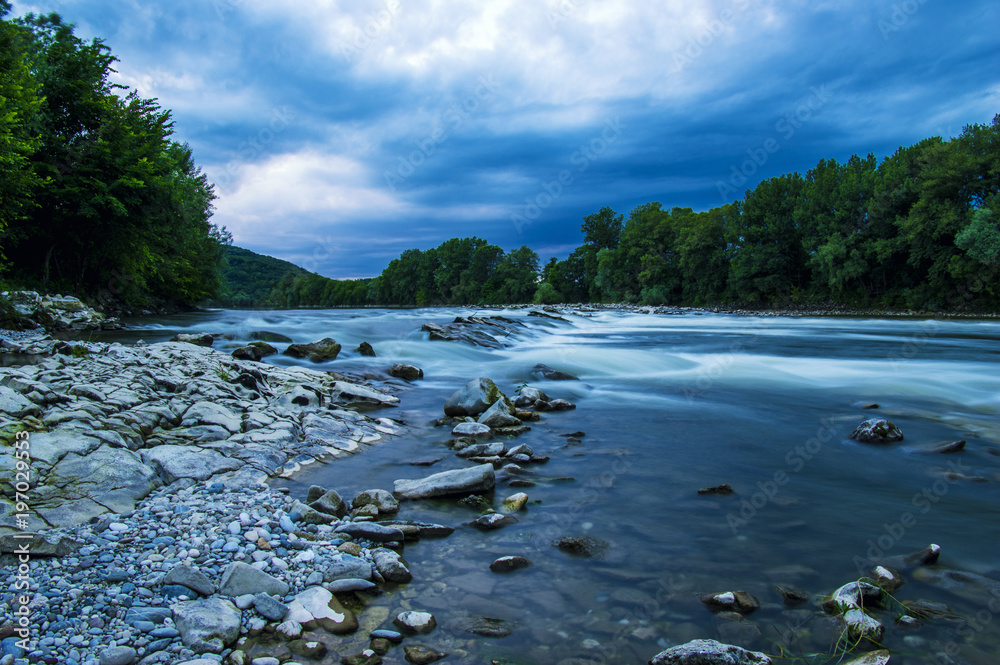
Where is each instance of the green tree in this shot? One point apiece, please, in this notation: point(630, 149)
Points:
point(602, 229)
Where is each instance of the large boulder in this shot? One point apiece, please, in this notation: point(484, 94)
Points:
point(474, 398)
point(175, 462)
point(321, 351)
point(207, 626)
point(476, 479)
point(709, 652)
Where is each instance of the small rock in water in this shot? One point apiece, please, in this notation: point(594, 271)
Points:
point(586, 546)
point(508, 564)
point(877, 430)
point(419, 654)
point(515, 502)
point(415, 622)
point(724, 488)
point(792, 596)
point(407, 372)
point(493, 521)
point(734, 601)
point(870, 405)
point(366, 349)
point(709, 652)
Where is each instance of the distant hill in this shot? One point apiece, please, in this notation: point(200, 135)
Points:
point(249, 277)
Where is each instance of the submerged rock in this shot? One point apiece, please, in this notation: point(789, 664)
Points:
point(735, 601)
point(709, 652)
point(475, 430)
point(506, 564)
point(366, 349)
point(586, 546)
point(877, 430)
point(724, 488)
point(415, 623)
point(265, 336)
point(543, 371)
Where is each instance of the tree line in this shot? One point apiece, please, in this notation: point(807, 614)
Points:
point(96, 198)
point(917, 231)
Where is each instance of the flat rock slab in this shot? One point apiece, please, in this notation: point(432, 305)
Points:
point(176, 462)
point(373, 532)
point(479, 478)
point(207, 626)
point(709, 652)
point(240, 579)
point(317, 607)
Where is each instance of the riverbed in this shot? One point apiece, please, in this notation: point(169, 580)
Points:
point(670, 404)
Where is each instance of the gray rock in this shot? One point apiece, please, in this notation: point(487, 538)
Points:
point(475, 430)
point(709, 652)
point(384, 501)
point(352, 395)
point(390, 566)
point(329, 503)
point(545, 372)
point(208, 625)
point(265, 336)
point(317, 607)
point(15, 405)
point(175, 462)
point(506, 564)
point(528, 396)
point(483, 450)
point(458, 482)
point(348, 585)
point(239, 579)
point(117, 656)
point(880, 657)
point(40, 544)
point(474, 398)
point(269, 608)
point(373, 532)
point(156, 615)
point(190, 578)
point(347, 567)
point(877, 430)
point(733, 601)
point(501, 414)
point(407, 372)
point(366, 349)
point(492, 521)
point(198, 339)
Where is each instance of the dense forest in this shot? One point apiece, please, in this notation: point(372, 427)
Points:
point(917, 231)
point(95, 197)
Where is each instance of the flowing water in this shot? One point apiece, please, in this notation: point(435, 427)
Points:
point(671, 404)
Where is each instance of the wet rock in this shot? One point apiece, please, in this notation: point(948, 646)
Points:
point(390, 635)
point(266, 336)
point(458, 482)
point(792, 596)
point(353, 395)
point(483, 450)
point(207, 626)
point(255, 351)
point(724, 488)
point(850, 602)
point(736, 601)
point(500, 414)
point(391, 566)
point(175, 462)
point(870, 405)
point(877, 430)
point(384, 502)
point(925, 557)
point(889, 580)
point(492, 521)
point(515, 502)
point(971, 586)
point(269, 608)
point(419, 654)
point(944, 448)
point(554, 405)
point(349, 585)
point(366, 657)
point(543, 371)
point(308, 649)
point(199, 339)
point(474, 430)
point(407, 372)
point(321, 351)
point(415, 623)
point(585, 546)
point(507, 564)
point(709, 652)
point(527, 396)
point(117, 656)
point(474, 398)
point(880, 657)
point(366, 350)
point(371, 531)
point(930, 610)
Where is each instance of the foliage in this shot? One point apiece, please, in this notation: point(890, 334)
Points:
point(96, 197)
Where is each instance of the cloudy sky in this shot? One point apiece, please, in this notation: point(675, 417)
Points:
point(340, 133)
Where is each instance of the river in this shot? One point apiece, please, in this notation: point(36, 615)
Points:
point(671, 404)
